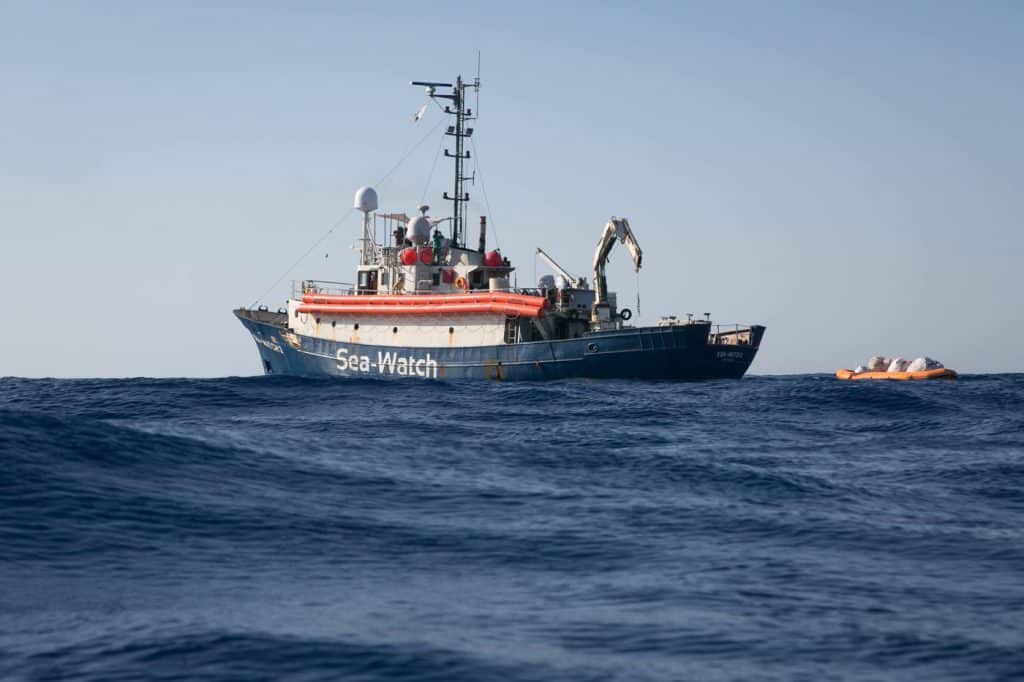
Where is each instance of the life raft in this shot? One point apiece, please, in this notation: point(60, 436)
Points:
point(940, 373)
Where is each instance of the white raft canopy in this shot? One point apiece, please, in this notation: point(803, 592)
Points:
point(882, 363)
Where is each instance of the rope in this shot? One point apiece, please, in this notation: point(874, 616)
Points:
point(638, 293)
point(426, 187)
point(405, 155)
point(409, 152)
point(483, 186)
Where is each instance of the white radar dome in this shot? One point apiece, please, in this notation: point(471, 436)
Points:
point(418, 230)
point(366, 199)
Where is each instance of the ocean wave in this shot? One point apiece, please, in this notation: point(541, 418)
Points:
point(788, 526)
point(257, 656)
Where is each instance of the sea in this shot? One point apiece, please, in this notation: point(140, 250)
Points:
point(773, 528)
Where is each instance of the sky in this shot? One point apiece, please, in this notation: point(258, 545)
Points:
point(848, 174)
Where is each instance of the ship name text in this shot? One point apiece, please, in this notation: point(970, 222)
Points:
point(388, 363)
point(269, 344)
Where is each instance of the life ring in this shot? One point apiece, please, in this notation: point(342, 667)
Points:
point(626, 313)
point(460, 282)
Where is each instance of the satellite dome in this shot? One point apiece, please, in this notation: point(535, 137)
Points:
point(366, 199)
point(418, 230)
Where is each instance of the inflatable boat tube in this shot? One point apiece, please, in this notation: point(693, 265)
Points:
point(435, 309)
point(941, 373)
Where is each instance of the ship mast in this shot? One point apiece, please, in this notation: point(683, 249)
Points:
point(462, 114)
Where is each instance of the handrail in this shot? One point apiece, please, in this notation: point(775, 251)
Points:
point(737, 336)
point(312, 286)
point(423, 288)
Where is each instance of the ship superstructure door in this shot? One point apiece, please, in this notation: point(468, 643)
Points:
point(367, 283)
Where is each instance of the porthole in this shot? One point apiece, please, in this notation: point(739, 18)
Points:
point(592, 347)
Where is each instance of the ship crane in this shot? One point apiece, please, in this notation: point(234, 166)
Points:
point(616, 229)
point(574, 282)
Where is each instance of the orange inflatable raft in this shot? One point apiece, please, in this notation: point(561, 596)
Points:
point(941, 373)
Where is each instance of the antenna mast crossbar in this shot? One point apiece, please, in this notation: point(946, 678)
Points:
point(460, 132)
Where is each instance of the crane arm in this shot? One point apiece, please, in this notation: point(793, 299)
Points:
point(616, 229)
point(574, 282)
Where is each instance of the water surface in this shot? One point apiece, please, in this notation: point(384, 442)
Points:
point(282, 529)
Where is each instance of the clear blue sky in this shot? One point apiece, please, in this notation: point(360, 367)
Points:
point(849, 174)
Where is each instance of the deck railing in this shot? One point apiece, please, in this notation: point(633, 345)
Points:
point(423, 287)
point(730, 335)
point(313, 286)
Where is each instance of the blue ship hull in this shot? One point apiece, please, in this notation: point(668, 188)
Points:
point(679, 352)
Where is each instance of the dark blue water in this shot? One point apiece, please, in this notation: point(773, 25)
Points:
point(795, 528)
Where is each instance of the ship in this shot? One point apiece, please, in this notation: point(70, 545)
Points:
point(428, 305)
